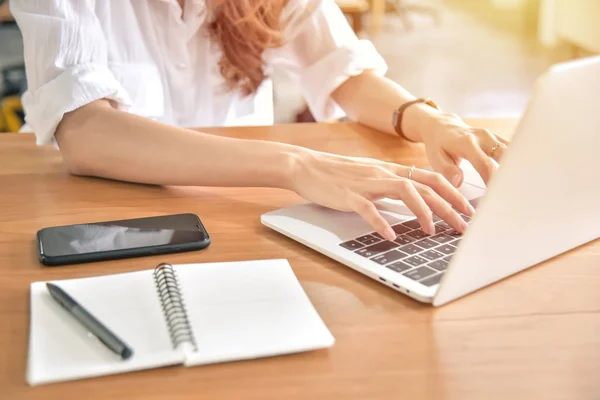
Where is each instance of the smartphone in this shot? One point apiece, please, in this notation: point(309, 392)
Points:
point(99, 241)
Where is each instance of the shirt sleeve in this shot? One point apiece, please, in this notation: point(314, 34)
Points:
point(65, 61)
point(321, 51)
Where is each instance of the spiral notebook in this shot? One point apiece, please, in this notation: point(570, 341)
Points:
point(174, 315)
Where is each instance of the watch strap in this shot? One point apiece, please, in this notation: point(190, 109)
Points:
point(397, 117)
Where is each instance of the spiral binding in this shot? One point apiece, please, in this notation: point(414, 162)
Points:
point(173, 306)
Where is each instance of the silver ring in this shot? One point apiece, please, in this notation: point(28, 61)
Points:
point(494, 148)
point(410, 172)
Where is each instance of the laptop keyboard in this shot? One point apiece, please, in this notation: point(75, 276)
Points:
point(414, 253)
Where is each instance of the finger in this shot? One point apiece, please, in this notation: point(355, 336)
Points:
point(490, 143)
point(404, 190)
point(441, 207)
point(367, 210)
point(501, 139)
point(499, 151)
point(444, 164)
point(445, 190)
point(470, 149)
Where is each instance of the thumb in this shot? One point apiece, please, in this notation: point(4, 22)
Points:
point(449, 168)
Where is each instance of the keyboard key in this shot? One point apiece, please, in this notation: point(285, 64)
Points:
point(420, 273)
point(388, 257)
point(434, 280)
point(453, 233)
point(377, 248)
point(352, 245)
point(412, 224)
point(444, 225)
point(432, 255)
point(377, 235)
point(439, 229)
point(440, 265)
point(366, 253)
point(417, 234)
point(455, 243)
point(443, 238)
point(398, 266)
point(426, 243)
point(436, 218)
point(447, 259)
point(446, 249)
point(367, 239)
point(410, 249)
point(415, 261)
point(399, 229)
point(404, 239)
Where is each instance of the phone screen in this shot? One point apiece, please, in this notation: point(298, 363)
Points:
point(121, 235)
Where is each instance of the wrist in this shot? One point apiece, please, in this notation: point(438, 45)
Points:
point(419, 121)
point(261, 163)
point(288, 159)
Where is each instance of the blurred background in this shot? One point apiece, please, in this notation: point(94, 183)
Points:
point(12, 72)
point(476, 58)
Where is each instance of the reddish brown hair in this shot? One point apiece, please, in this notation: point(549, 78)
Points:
point(244, 29)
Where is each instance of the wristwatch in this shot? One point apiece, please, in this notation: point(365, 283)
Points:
point(397, 117)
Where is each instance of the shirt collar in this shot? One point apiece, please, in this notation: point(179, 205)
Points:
point(195, 13)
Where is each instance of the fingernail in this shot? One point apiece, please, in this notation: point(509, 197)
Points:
point(471, 210)
point(456, 180)
point(431, 228)
point(464, 226)
point(389, 234)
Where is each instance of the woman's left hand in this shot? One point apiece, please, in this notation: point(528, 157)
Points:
point(449, 140)
point(372, 100)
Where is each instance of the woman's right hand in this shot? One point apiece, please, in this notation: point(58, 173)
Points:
point(353, 184)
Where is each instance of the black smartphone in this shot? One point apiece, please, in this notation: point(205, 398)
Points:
point(99, 241)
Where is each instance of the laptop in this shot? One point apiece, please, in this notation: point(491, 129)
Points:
point(543, 200)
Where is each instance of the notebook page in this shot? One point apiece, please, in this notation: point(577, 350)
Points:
point(250, 309)
point(60, 348)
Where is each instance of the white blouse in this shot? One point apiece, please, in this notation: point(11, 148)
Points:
point(152, 61)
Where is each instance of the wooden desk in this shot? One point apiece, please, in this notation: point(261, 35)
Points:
point(535, 335)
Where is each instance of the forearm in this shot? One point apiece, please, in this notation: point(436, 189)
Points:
point(98, 140)
point(372, 100)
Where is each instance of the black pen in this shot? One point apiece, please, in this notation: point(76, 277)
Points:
point(94, 326)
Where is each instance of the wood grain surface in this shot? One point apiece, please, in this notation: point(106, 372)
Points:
point(534, 335)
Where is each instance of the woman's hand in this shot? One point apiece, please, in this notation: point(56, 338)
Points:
point(372, 100)
point(352, 184)
point(448, 140)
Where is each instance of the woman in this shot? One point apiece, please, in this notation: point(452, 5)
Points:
point(114, 84)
